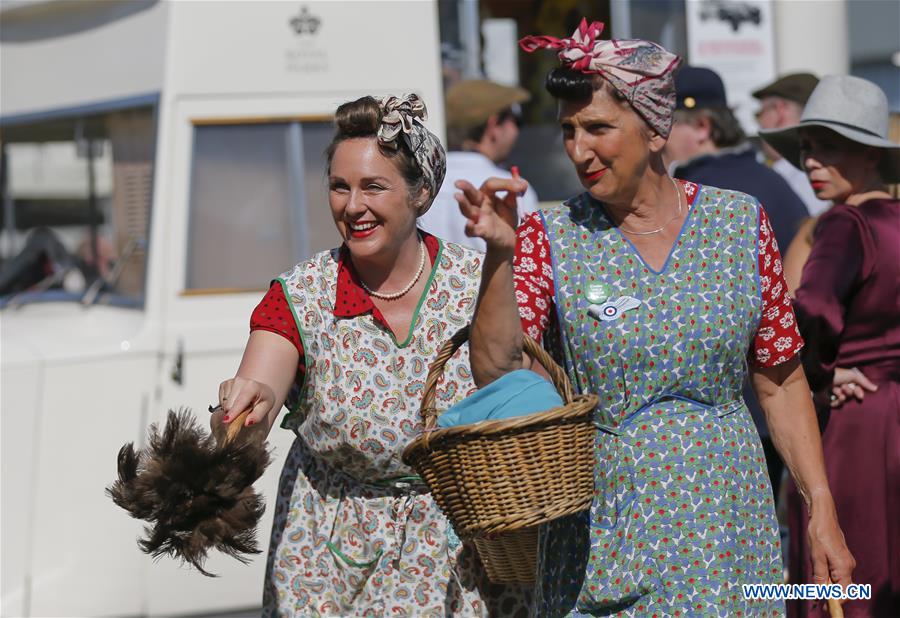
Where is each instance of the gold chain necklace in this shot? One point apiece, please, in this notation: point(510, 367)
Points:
point(664, 225)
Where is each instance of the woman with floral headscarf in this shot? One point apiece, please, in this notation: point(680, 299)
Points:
point(352, 330)
point(655, 294)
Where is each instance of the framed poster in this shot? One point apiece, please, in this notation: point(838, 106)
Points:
point(736, 39)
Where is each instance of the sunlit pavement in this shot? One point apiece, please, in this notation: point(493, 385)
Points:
point(245, 613)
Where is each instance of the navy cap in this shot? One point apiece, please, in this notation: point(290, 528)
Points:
point(699, 87)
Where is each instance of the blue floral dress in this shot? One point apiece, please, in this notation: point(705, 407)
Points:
point(682, 513)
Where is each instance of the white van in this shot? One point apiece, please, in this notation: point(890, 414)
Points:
point(175, 148)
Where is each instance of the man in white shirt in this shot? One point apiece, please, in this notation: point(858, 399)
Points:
point(483, 120)
point(780, 105)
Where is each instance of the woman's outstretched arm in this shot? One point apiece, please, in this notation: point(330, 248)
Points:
point(263, 380)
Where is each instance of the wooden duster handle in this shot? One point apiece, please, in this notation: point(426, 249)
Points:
point(235, 426)
point(834, 608)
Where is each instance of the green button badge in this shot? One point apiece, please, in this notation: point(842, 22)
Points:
point(597, 292)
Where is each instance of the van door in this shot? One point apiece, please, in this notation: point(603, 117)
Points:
point(239, 212)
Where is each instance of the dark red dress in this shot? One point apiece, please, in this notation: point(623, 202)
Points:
point(848, 308)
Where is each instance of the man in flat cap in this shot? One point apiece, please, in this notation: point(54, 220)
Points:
point(781, 104)
point(483, 120)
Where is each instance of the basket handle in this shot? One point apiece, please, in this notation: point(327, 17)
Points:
point(436, 369)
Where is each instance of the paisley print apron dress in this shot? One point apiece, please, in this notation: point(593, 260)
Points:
point(682, 513)
point(355, 532)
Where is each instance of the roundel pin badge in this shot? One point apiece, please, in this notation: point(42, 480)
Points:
point(613, 308)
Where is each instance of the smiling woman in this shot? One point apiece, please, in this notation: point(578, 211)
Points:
point(344, 341)
point(654, 294)
point(376, 197)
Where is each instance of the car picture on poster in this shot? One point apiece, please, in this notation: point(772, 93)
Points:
point(733, 12)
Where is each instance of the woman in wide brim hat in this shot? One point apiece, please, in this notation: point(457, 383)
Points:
point(854, 112)
point(848, 309)
point(854, 109)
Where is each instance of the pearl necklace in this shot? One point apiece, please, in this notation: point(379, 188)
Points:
point(660, 229)
point(407, 288)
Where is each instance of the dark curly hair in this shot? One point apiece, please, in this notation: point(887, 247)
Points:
point(362, 118)
point(574, 86)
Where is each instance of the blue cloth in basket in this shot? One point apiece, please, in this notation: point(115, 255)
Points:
point(517, 393)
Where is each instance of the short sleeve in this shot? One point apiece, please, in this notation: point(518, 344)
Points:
point(533, 277)
point(274, 315)
point(777, 339)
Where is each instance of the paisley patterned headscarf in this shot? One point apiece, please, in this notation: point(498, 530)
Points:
point(402, 119)
point(641, 71)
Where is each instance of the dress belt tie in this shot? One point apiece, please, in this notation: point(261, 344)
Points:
point(722, 409)
point(408, 487)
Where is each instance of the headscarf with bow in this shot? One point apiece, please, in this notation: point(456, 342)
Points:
point(639, 70)
point(402, 119)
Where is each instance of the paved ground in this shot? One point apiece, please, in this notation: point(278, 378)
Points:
point(246, 613)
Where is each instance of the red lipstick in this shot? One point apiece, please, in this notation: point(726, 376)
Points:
point(361, 233)
point(596, 175)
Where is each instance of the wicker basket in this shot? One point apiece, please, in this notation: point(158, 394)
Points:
point(498, 480)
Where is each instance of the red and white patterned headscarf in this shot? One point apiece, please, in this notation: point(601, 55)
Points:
point(641, 71)
point(402, 118)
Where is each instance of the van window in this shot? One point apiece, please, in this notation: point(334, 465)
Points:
point(251, 190)
point(75, 213)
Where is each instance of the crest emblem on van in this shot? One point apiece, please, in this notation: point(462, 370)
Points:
point(305, 22)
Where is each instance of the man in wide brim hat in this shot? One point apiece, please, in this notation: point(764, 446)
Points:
point(852, 107)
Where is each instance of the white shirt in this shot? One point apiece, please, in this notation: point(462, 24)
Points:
point(444, 220)
point(800, 184)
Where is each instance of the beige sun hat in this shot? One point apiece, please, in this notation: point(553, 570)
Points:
point(850, 106)
point(470, 103)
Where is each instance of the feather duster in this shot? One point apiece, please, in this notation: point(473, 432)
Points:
point(194, 488)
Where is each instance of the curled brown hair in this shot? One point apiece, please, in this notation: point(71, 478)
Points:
point(361, 119)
